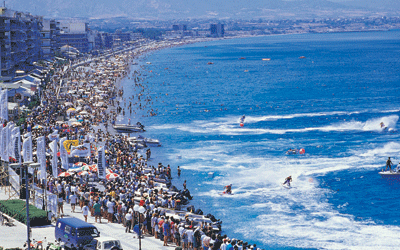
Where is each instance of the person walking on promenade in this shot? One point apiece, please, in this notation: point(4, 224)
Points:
point(85, 211)
point(97, 211)
point(110, 210)
point(60, 203)
point(128, 219)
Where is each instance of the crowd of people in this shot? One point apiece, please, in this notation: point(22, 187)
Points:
point(81, 103)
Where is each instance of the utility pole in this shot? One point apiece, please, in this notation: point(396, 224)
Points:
point(28, 224)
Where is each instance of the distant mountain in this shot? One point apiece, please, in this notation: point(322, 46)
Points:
point(183, 9)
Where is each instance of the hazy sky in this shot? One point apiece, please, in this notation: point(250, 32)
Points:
point(175, 9)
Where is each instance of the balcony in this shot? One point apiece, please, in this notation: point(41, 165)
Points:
point(4, 27)
point(5, 65)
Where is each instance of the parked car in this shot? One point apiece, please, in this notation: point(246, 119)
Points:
point(103, 243)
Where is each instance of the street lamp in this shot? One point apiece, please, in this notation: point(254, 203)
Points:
point(141, 210)
point(28, 224)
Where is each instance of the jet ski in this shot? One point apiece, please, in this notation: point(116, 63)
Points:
point(295, 151)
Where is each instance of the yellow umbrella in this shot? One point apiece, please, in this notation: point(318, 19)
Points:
point(70, 110)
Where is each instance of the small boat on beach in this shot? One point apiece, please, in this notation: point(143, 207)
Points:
point(126, 128)
point(147, 141)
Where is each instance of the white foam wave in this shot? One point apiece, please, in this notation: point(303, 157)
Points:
point(391, 148)
point(301, 216)
point(234, 129)
point(254, 119)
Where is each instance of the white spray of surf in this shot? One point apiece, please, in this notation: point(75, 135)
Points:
point(300, 216)
point(220, 126)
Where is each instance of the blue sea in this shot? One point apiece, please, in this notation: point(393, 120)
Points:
point(326, 93)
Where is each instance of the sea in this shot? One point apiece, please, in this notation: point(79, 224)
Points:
point(325, 93)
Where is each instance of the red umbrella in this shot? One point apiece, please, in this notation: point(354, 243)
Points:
point(111, 176)
point(64, 174)
point(80, 164)
point(83, 173)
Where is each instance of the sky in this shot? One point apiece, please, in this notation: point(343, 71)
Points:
point(180, 9)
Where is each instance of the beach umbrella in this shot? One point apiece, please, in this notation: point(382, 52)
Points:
point(75, 170)
point(77, 124)
point(111, 176)
point(66, 104)
point(84, 112)
point(83, 173)
point(80, 164)
point(70, 110)
point(64, 174)
point(93, 168)
point(85, 167)
point(109, 171)
point(73, 120)
point(37, 127)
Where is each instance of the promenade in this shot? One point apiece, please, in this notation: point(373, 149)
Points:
point(15, 236)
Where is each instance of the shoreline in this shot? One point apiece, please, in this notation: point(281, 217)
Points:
point(70, 88)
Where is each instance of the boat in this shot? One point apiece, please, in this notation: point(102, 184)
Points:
point(266, 59)
point(209, 63)
point(138, 145)
point(302, 57)
point(390, 173)
point(147, 141)
point(126, 128)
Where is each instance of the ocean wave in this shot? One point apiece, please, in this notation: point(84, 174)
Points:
point(371, 125)
point(255, 119)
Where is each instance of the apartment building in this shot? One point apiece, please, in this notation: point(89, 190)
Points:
point(20, 41)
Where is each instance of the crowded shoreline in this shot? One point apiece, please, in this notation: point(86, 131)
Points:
point(83, 107)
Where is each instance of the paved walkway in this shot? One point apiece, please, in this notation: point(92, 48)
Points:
point(15, 236)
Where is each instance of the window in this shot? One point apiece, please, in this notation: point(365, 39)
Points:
point(67, 229)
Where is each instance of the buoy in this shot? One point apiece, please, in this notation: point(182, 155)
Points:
point(241, 124)
point(302, 151)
